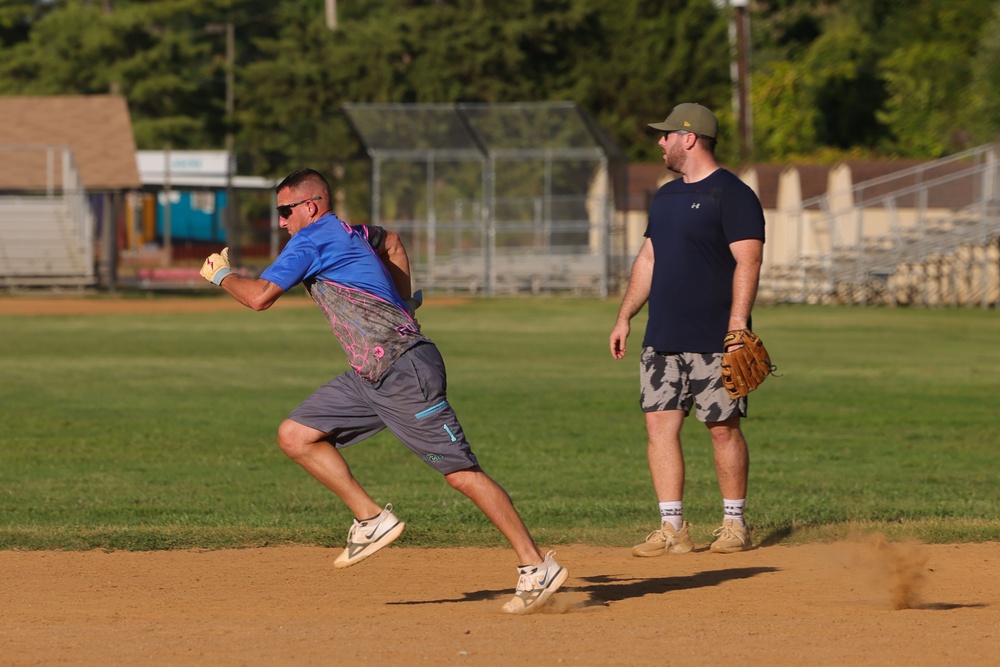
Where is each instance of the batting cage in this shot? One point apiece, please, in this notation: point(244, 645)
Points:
point(495, 198)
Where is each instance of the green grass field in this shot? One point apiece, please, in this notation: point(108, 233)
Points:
point(157, 431)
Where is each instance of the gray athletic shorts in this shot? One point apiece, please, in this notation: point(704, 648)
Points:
point(410, 400)
point(678, 380)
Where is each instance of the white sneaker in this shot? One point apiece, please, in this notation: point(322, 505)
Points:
point(367, 537)
point(536, 584)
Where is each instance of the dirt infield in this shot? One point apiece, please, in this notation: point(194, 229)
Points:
point(835, 604)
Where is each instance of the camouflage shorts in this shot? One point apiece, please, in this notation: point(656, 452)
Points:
point(676, 381)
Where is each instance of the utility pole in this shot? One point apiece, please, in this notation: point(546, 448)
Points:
point(168, 250)
point(743, 112)
point(230, 219)
point(331, 14)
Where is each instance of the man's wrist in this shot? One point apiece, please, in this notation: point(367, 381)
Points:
point(220, 274)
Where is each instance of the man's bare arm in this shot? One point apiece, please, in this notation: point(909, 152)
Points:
point(636, 296)
point(255, 293)
point(749, 255)
point(393, 255)
point(251, 292)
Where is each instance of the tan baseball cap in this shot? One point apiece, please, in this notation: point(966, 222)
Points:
point(692, 118)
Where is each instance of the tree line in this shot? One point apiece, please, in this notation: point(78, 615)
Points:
point(827, 78)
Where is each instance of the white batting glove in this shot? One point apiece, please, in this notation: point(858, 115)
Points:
point(216, 267)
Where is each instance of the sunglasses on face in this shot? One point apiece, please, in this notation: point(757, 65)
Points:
point(286, 211)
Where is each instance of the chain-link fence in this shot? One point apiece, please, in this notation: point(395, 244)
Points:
point(495, 199)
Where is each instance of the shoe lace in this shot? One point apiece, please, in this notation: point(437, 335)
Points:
point(524, 582)
point(528, 581)
point(354, 529)
point(726, 532)
point(656, 536)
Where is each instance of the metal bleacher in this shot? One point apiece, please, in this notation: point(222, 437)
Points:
point(927, 235)
point(519, 273)
point(47, 233)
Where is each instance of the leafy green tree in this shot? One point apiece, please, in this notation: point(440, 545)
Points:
point(157, 53)
point(289, 98)
point(915, 79)
point(63, 54)
point(925, 96)
point(927, 74)
point(787, 124)
point(639, 59)
point(78, 49)
point(982, 116)
point(17, 18)
point(625, 62)
point(848, 89)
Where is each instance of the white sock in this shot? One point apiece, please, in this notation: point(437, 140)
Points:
point(672, 512)
point(733, 509)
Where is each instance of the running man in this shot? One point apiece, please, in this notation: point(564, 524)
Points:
point(359, 276)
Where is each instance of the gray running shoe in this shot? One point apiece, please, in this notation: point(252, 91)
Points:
point(367, 537)
point(536, 584)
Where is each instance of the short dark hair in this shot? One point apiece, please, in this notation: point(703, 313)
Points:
point(708, 143)
point(303, 177)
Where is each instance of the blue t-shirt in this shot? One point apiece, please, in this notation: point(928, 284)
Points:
point(691, 226)
point(353, 288)
point(333, 250)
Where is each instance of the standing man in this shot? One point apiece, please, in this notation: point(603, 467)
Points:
point(698, 268)
point(359, 276)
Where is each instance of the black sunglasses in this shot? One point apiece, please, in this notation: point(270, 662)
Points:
point(286, 211)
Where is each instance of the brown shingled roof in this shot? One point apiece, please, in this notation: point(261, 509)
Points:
point(813, 179)
point(768, 176)
point(955, 192)
point(97, 128)
point(643, 181)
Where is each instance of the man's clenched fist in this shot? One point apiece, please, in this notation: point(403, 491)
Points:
point(216, 267)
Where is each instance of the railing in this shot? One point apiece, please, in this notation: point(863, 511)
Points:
point(46, 226)
point(887, 240)
point(530, 245)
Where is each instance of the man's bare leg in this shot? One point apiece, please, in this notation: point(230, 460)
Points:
point(496, 504)
point(308, 447)
point(666, 458)
point(732, 458)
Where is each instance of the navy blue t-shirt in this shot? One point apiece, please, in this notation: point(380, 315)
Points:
point(691, 226)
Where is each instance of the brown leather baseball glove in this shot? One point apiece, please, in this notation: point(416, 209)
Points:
point(745, 362)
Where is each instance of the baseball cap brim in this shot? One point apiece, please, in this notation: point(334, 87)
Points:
point(689, 117)
point(665, 126)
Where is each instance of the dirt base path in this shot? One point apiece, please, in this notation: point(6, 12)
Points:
point(857, 603)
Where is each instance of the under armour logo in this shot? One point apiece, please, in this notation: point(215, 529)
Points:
point(695, 205)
